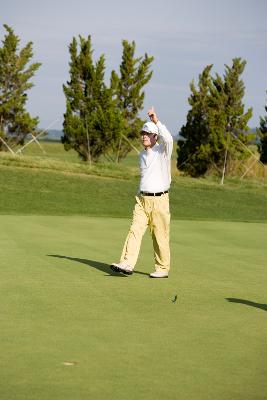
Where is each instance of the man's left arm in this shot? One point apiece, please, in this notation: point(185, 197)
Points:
point(164, 134)
point(166, 138)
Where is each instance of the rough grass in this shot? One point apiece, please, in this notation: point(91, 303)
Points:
point(54, 164)
point(53, 156)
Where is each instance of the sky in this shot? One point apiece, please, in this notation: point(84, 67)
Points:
point(183, 36)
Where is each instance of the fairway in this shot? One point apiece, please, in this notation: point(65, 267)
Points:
point(72, 329)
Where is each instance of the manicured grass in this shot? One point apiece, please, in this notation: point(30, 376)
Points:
point(30, 191)
point(127, 339)
point(72, 329)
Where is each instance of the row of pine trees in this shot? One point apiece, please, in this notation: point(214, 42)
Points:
point(103, 120)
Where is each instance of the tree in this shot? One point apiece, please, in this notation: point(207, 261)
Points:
point(262, 132)
point(15, 75)
point(232, 130)
point(91, 122)
point(193, 148)
point(128, 92)
point(216, 128)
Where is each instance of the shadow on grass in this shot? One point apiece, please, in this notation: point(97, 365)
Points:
point(248, 303)
point(96, 264)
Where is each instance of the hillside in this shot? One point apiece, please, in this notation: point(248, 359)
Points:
point(30, 185)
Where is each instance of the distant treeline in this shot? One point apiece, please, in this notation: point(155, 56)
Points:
point(104, 119)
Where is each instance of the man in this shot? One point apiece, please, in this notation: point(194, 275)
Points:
point(152, 203)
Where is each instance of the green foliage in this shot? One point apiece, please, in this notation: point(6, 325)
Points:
point(96, 115)
point(262, 132)
point(216, 123)
point(194, 150)
point(129, 94)
point(91, 121)
point(15, 75)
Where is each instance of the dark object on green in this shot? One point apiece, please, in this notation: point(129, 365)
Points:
point(175, 298)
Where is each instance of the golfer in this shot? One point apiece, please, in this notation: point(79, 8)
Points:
point(152, 202)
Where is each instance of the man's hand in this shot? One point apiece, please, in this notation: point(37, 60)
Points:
point(152, 115)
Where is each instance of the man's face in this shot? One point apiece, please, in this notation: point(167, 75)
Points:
point(148, 139)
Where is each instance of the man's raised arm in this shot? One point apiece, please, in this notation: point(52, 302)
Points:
point(164, 134)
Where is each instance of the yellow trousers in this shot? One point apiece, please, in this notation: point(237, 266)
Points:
point(152, 211)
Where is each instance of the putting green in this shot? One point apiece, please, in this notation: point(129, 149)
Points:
point(71, 329)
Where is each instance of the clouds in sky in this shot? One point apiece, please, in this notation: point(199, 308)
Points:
point(183, 36)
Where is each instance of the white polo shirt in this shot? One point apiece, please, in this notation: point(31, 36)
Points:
point(155, 163)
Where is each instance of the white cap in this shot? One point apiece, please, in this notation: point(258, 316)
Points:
point(150, 127)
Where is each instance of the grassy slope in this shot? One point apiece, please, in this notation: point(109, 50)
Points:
point(58, 184)
point(27, 191)
point(60, 303)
